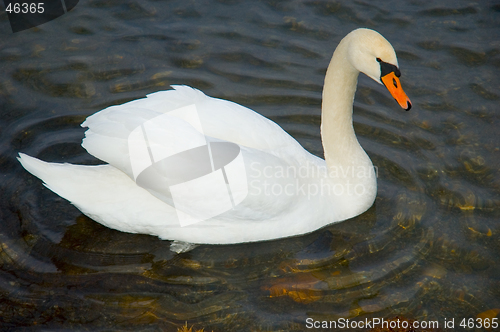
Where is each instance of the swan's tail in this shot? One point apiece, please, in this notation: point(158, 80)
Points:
point(82, 185)
point(105, 194)
point(38, 168)
point(59, 178)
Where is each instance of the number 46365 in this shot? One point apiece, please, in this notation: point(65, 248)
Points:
point(25, 8)
point(479, 323)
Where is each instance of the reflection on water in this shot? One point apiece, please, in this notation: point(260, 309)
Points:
point(427, 250)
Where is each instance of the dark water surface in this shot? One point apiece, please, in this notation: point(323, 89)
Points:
point(427, 250)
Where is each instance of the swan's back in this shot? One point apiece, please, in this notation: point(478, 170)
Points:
point(109, 130)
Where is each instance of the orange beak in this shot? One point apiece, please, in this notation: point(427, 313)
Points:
point(392, 84)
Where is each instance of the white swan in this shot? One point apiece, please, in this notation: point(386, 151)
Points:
point(187, 167)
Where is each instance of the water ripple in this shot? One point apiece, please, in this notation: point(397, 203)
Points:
point(428, 248)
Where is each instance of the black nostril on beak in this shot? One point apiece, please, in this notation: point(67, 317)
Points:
point(408, 105)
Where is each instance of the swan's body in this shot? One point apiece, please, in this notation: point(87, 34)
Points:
point(277, 189)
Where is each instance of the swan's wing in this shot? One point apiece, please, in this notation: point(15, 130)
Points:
point(183, 147)
point(112, 129)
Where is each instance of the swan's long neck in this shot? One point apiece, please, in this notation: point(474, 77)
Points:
point(343, 154)
point(337, 132)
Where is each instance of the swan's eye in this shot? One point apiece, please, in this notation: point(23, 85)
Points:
point(379, 60)
point(394, 82)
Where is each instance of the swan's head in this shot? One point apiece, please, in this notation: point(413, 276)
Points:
point(372, 54)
